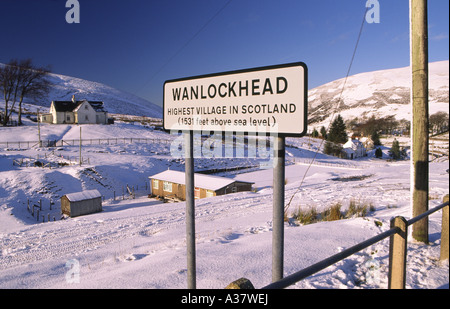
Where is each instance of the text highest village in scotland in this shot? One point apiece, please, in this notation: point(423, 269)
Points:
point(234, 89)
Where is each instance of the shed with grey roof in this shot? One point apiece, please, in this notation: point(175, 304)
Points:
point(81, 203)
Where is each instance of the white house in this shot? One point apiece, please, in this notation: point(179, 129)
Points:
point(353, 149)
point(79, 112)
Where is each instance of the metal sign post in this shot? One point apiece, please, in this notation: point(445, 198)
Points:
point(190, 209)
point(270, 100)
point(278, 209)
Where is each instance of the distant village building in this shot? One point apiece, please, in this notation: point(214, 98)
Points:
point(76, 112)
point(368, 143)
point(81, 203)
point(353, 149)
point(171, 185)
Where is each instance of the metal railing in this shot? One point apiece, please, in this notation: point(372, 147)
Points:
point(397, 251)
point(85, 142)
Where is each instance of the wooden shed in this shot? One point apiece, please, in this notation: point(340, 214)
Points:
point(81, 203)
point(172, 185)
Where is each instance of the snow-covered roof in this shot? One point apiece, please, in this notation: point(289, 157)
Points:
point(200, 180)
point(84, 195)
point(64, 106)
point(352, 143)
point(71, 106)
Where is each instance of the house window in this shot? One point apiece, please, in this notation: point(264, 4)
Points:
point(196, 192)
point(86, 117)
point(68, 118)
point(209, 193)
point(167, 186)
point(85, 107)
point(155, 184)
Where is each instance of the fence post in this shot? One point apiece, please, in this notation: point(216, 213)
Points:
point(240, 284)
point(444, 232)
point(397, 254)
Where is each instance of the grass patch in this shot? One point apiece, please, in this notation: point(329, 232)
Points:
point(306, 216)
point(333, 213)
point(356, 208)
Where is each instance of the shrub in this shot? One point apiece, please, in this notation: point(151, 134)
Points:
point(332, 149)
point(378, 153)
point(333, 213)
point(357, 208)
point(306, 216)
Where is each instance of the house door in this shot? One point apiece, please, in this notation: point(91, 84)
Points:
point(180, 193)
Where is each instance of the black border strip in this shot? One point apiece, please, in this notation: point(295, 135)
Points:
point(264, 68)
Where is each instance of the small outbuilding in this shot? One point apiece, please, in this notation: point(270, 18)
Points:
point(81, 203)
point(171, 185)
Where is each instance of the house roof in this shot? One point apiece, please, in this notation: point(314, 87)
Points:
point(352, 143)
point(70, 106)
point(64, 106)
point(208, 182)
point(84, 195)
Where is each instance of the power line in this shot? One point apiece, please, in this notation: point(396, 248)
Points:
point(334, 112)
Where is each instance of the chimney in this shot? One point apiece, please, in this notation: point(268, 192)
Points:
point(73, 99)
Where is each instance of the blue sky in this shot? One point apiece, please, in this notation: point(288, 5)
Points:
point(136, 45)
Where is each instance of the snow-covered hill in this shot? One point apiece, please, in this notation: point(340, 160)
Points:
point(379, 93)
point(116, 101)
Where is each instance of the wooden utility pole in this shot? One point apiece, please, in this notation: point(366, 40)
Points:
point(419, 97)
point(39, 128)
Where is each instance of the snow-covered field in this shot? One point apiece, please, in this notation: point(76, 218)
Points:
point(141, 242)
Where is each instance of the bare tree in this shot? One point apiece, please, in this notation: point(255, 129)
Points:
point(8, 76)
point(20, 79)
point(439, 122)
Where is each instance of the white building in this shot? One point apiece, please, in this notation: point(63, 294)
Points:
point(353, 149)
point(76, 112)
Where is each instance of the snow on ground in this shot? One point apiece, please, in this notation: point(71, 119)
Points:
point(141, 242)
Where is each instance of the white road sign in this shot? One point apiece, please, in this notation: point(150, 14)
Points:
point(271, 100)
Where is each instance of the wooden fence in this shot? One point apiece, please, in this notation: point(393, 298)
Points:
point(46, 210)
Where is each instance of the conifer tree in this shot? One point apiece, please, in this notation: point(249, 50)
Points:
point(338, 133)
point(395, 152)
point(376, 138)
